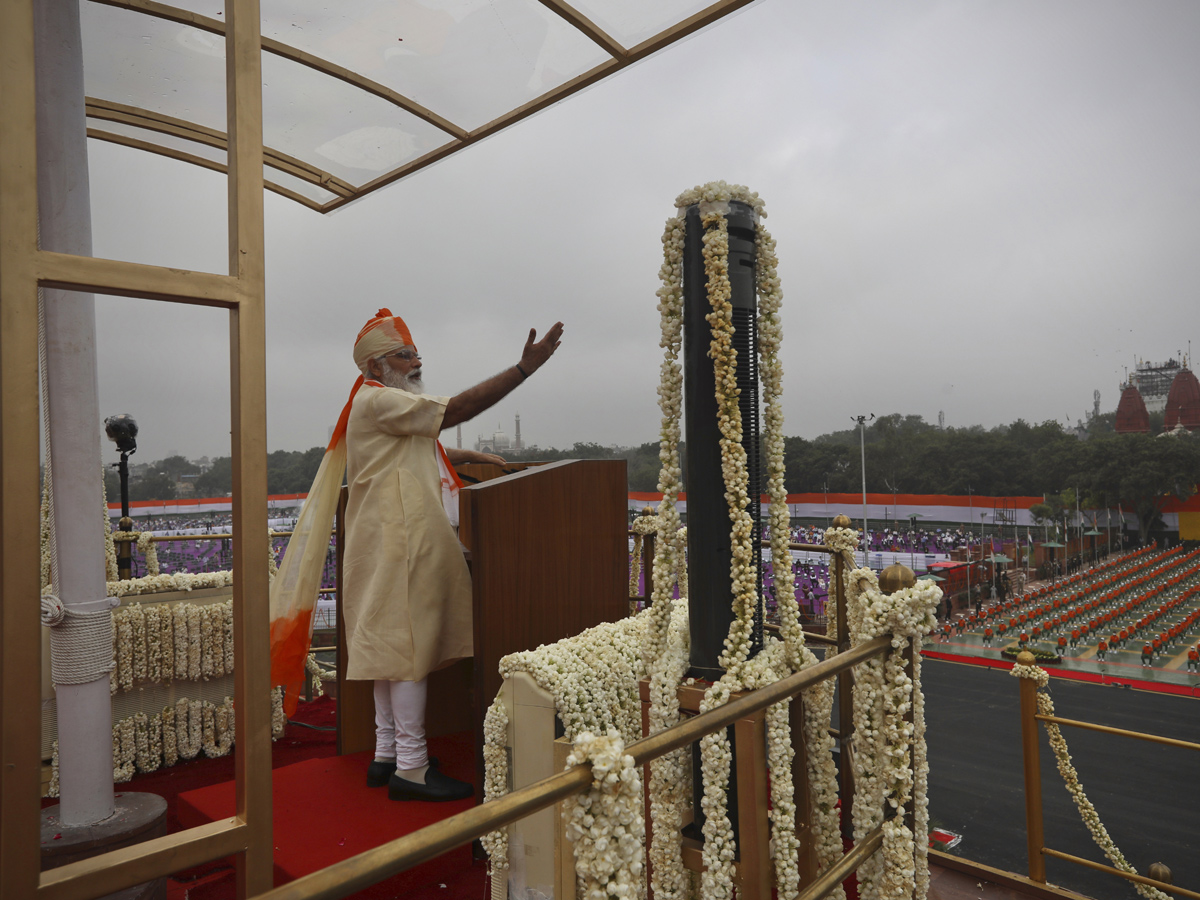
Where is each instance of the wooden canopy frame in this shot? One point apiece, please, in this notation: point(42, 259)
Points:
point(24, 267)
point(457, 137)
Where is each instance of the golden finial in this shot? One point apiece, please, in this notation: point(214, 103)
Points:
point(895, 577)
point(1025, 658)
point(841, 521)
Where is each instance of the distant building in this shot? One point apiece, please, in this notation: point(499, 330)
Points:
point(1183, 401)
point(1153, 381)
point(499, 442)
point(1132, 416)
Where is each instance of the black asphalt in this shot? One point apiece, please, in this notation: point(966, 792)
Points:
point(1147, 795)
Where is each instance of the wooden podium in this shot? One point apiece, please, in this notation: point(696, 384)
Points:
point(549, 553)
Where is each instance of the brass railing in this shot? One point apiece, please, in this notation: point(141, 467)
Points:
point(365, 869)
point(1034, 830)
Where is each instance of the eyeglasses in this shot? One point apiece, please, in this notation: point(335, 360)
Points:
point(406, 355)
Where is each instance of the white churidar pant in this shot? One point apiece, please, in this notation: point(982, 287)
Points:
point(400, 722)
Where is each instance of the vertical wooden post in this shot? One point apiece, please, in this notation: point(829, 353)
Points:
point(1034, 836)
point(754, 830)
point(247, 333)
point(20, 638)
point(801, 795)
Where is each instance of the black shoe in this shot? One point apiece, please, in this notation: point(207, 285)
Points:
point(378, 772)
point(437, 787)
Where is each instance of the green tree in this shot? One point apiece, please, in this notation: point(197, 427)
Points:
point(218, 480)
point(1141, 472)
point(176, 466)
point(154, 485)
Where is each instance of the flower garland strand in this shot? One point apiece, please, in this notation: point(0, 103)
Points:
point(605, 822)
point(1087, 811)
point(889, 750)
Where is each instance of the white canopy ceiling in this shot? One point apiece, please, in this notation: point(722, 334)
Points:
point(359, 93)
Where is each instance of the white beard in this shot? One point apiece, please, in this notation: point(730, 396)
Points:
point(393, 379)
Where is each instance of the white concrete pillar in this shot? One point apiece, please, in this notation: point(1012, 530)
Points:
point(84, 711)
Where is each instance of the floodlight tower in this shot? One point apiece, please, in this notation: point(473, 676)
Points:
point(710, 606)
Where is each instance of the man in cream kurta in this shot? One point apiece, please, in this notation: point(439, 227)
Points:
point(406, 586)
point(411, 612)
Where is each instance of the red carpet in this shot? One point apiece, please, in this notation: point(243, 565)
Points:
point(324, 813)
point(1158, 687)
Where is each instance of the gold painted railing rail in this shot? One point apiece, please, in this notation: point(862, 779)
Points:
point(1034, 829)
point(358, 872)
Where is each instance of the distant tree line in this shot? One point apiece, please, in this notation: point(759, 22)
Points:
point(904, 454)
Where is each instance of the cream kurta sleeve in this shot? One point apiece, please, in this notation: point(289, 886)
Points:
point(407, 591)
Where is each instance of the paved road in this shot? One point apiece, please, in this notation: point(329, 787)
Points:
point(1147, 795)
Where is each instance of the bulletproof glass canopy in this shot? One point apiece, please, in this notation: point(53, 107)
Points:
point(359, 93)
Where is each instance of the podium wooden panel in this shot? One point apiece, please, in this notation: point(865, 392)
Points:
point(549, 558)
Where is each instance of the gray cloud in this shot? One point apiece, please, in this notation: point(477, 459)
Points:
point(1001, 197)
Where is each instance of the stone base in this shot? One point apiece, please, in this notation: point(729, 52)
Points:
point(136, 818)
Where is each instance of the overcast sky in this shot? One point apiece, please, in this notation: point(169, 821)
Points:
point(983, 208)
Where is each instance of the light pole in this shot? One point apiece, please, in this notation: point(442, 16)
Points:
point(862, 440)
point(122, 430)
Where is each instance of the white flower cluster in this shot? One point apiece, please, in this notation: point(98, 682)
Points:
point(605, 822)
point(721, 192)
point(145, 544)
point(318, 674)
point(593, 678)
point(167, 642)
point(143, 743)
point(890, 760)
point(1035, 673)
point(668, 549)
point(495, 781)
point(1071, 779)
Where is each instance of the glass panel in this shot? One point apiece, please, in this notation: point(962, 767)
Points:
point(629, 22)
point(337, 127)
point(150, 63)
point(467, 60)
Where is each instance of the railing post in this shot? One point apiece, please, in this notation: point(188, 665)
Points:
point(1033, 773)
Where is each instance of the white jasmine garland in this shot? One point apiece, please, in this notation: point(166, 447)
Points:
point(890, 757)
point(145, 543)
point(278, 718)
point(192, 613)
point(52, 790)
point(179, 625)
point(187, 732)
point(123, 631)
point(205, 642)
point(180, 581)
point(605, 822)
point(495, 782)
point(318, 674)
point(229, 646)
point(170, 737)
point(153, 643)
point(124, 750)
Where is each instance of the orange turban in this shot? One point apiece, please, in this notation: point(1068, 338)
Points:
point(382, 334)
